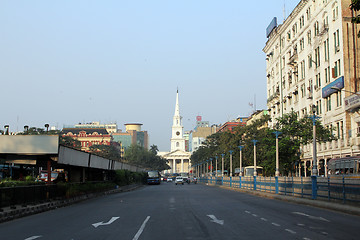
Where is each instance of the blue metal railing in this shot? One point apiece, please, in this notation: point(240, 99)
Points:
point(336, 188)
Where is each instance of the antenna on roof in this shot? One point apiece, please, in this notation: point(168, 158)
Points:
point(284, 11)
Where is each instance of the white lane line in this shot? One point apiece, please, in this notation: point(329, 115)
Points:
point(290, 231)
point(141, 228)
point(264, 219)
point(305, 238)
point(248, 212)
point(275, 224)
point(325, 233)
point(254, 215)
point(33, 237)
point(311, 217)
point(301, 224)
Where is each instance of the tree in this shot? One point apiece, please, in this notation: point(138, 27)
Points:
point(355, 6)
point(106, 151)
point(295, 132)
point(139, 156)
point(69, 142)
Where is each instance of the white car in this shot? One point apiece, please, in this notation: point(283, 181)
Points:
point(169, 179)
point(179, 180)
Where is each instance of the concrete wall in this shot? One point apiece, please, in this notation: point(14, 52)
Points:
point(29, 144)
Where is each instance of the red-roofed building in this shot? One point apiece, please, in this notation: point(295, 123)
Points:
point(231, 125)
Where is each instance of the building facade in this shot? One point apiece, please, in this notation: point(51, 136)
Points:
point(178, 158)
point(88, 136)
point(312, 64)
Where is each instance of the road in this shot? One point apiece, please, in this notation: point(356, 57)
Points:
point(183, 212)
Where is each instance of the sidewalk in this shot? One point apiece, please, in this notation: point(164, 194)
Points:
point(344, 208)
point(13, 212)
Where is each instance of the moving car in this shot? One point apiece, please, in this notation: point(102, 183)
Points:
point(179, 180)
point(169, 179)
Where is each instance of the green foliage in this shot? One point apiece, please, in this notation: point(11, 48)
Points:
point(139, 156)
point(125, 177)
point(8, 182)
point(355, 5)
point(76, 189)
point(106, 151)
point(69, 142)
point(294, 133)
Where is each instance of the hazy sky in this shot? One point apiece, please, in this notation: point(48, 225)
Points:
point(70, 61)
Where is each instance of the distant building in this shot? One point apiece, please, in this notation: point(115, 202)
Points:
point(200, 133)
point(178, 157)
point(88, 136)
point(257, 116)
point(133, 136)
point(111, 127)
point(229, 126)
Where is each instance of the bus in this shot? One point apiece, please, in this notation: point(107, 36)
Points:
point(153, 177)
point(344, 166)
point(249, 171)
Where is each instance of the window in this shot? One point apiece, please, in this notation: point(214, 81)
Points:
point(327, 74)
point(302, 21)
point(302, 90)
point(337, 69)
point(310, 61)
point(335, 12)
point(318, 81)
point(317, 57)
point(326, 49)
point(309, 37)
point(308, 14)
point(302, 66)
point(316, 28)
point(336, 41)
point(302, 44)
point(338, 99)
point(328, 103)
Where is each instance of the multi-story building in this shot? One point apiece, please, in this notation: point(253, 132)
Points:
point(111, 127)
point(88, 136)
point(200, 133)
point(132, 135)
point(230, 125)
point(312, 64)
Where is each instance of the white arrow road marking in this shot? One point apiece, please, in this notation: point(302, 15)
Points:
point(311, 217)
point(33, 237)
point(141, 228)
point(113, 219)
point(215, 220)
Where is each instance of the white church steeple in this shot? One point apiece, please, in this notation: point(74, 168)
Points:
point(177, 137)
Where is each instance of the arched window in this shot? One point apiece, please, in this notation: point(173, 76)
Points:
point(177, 144)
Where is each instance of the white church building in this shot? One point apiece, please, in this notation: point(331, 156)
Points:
point(178, 158)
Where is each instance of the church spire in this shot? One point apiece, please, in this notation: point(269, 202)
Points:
point(177, 108)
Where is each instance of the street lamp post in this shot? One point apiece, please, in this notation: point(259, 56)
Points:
point(277, 133)
point(314, 172)
point(255, 141)
point(231, 151)
point(211, 166)
point(222, 164)
point(240, 166)
point(314, 118)
point(216, 164)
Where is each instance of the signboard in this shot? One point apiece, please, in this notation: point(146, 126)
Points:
point(352, 102)
point(29, 144)
point(328, 89)
point(271, 27)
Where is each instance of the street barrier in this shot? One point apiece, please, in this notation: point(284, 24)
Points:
point(345, 189)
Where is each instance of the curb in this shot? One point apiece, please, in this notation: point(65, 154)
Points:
point(349, 209)
point(10, 213)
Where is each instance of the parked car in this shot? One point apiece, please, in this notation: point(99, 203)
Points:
point(179, 180)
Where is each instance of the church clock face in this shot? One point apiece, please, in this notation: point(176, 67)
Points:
point(178, 133)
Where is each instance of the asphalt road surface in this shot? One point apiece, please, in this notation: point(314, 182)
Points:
point(195, 211)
